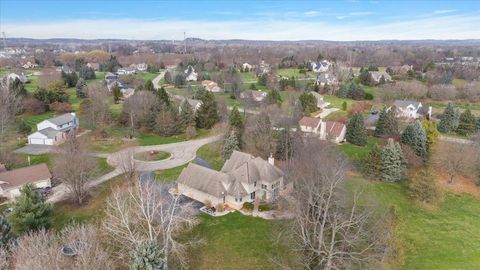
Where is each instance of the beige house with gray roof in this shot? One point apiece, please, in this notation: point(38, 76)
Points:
point(242, 178)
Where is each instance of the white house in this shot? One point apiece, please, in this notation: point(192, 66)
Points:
point(324, 130)
point(321, 66)
point(247, 66)
point(126, 71)
point(142, 67)
point(94, 66)
point(12, 181)
point(408, 109)
point(195, 103)
point(320, 102)
point(256, 95)
point(242, 178)
point(211, 86)
point(377, 76)
point(55, 130)
point(190, 74)
point(326, 79)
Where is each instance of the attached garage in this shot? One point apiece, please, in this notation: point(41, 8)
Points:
point(46, 137)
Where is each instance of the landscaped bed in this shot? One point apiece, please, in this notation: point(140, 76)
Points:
point(152, 155)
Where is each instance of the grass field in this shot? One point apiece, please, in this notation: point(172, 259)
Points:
point(442, 237)
point(22, 160)
point(147, 75)
point(153, 139)
point(33, 120)
point(212, 154)
point(249, 77)
point(337, 102)
point(236, 241)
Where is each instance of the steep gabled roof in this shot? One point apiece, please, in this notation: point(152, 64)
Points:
point(204, 179)
point(406, 103)
point(334, 128)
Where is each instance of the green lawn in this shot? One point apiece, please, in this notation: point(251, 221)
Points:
point(33, 120)
point(236, 241)
point(147, 75)
point(337, 102)
point(289, 72)
point(443, 237)
point(103, 166)
point(66, 212)
point(212, 153)
point(358, 153)
point(249, 77)
point(32, 85)
point(154, 139)
point(21, 160)
point(169, 175)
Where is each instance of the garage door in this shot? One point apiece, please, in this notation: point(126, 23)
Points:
point(37, 141)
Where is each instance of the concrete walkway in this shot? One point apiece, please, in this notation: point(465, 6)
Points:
point(181, 153)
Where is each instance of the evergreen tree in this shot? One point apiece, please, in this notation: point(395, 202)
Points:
point(343, 91)
point(163, 96)
point(373, 163)
point(365, 77)
point(6, 233)
point(235, 121)
point(308, 103)
point(273, 97)
point(262, 79)
point(30, 212)
point(149, 86)
point(467, 123)
point(356, 132)
point(80, 88)
point(392, 162)
point(117, 94)
point(207, 114)
point(168, 77)
point(179, 80)
point(187, 115)
point(431, 130)
point(355, 92)
point(23, 127)
point(344, 106)
point(230, 144)
point(147, 256)
point(478, 124)
point(87, 73)
point(447, 121)
point(414, 136)
point(379, 126)
point(390, 124)
point(17, 87)
point(423, 186)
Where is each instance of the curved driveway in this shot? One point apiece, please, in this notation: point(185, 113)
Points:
point(181, 153)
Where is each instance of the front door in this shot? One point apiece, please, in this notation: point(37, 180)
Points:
point(252, 195)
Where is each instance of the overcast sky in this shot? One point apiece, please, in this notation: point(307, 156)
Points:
point(259, 20)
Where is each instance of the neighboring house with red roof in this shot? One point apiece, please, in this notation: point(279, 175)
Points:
point(12, 181)
point(331, 130)
point(242, 178)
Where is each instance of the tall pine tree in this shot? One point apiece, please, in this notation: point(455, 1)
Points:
point(390, 125)
point(392, 162)
point(379, 127)
point(230, 144)
point(467, 123)
point(356, 132)
point(207, 114)
point(6, 233)
point(447, 121)
point(30, 212)
point(414, 136)
point(373, 163)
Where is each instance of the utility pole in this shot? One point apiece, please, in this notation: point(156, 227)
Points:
point(185, 42)
point(4, 41)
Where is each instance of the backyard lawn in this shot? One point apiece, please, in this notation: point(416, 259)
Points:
point(359, 153)
point(169, 175)
point(33, 120)
point(236, 241)
point(212, 154)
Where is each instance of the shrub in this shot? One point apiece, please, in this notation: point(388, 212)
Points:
point(248, 206)
point(423, 186)
point(207, 203)
point(61, 107)
point(33, 105)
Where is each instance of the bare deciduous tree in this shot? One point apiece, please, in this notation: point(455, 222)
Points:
point(144, 211)
point(330, 229)
point(95, 110)
point(43, 250)
point(75, 168)
point(455, 159)
point(9, 107)
point(137, 107)
point(258, 135)
point(127, 164)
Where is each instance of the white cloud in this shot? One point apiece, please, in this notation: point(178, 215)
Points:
point(445, 27)
point(360, 13)
point(444, 11)
point(311, 13)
